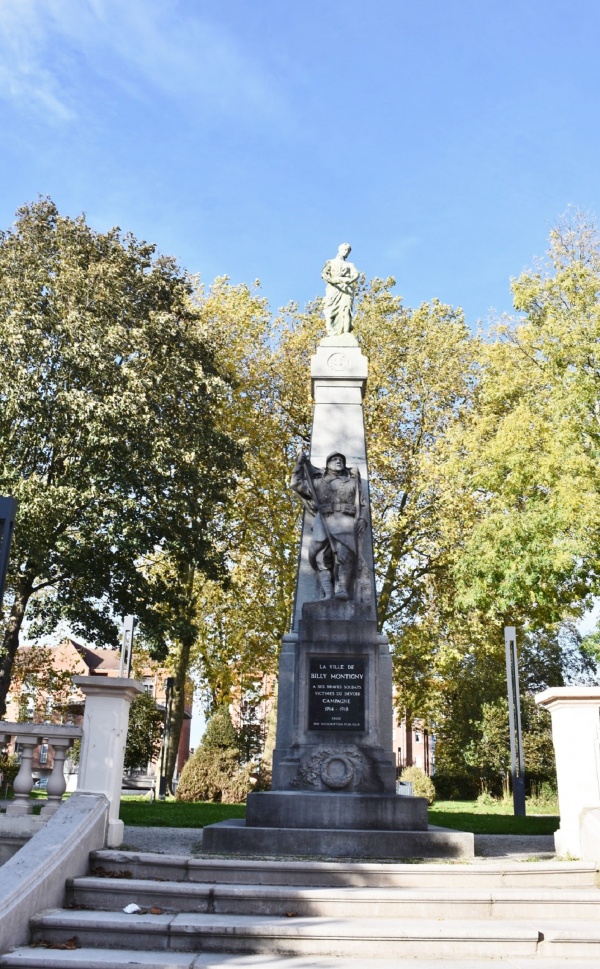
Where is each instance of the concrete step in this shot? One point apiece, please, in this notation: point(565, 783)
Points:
point(458, 875)
point(382, 938)
point(113, 894)
point(294, 936)
point(85, 958)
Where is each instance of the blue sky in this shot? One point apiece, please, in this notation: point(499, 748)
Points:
point(441, 138)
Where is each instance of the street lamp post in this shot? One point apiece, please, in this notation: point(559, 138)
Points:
point(514, 720)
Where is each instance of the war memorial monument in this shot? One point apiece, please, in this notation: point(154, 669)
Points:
point(334, 774)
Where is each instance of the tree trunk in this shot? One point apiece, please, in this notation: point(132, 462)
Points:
point(177, 710)
point(10, 643)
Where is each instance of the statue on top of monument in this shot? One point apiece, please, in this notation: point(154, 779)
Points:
point(334, 496)
point(341, 278)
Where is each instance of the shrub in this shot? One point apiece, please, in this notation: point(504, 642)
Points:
point(214, 774)
point(543, 799)
point(9, 768)
point(220, 731)
point(486, 800)
point(422, 784)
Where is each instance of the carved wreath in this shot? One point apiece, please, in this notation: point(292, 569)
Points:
point(324, 766)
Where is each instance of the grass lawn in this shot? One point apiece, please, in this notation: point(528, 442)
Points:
point(494, 818)
point(176, 814)
point(460, 815)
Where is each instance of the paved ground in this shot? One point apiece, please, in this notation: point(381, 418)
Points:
point(188, 841)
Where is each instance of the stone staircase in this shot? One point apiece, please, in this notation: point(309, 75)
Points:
point(202, 912)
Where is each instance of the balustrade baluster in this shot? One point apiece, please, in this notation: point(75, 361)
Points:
point(57, 784)
point(23, 782)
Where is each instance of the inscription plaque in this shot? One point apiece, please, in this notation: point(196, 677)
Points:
point(336, 694)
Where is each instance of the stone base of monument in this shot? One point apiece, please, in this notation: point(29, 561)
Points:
point(305, 809)
point(235, 837)
point(359, 826)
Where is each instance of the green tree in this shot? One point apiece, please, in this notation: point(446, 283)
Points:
point(109, 396)
point(519, 473)
point(143, 733)
point(240, 625)
point(529, 450)
point(489, 751)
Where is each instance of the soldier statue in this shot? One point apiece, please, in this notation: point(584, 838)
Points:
point(334, 497)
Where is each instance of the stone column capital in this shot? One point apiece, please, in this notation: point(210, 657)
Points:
point(117, 687)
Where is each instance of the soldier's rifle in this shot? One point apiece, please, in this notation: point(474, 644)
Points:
point(313, 493)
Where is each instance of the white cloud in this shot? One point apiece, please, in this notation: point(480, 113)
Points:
point(23, 75)
point(142, 46)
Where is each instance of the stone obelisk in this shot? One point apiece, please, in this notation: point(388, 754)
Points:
point(334, 787)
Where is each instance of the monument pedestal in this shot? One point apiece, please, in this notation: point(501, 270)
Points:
point(300, 809)
point(236, 837)
point(334, 774)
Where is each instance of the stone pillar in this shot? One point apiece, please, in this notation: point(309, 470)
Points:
point(575, 712)
point(339, 379)
point(105, 722)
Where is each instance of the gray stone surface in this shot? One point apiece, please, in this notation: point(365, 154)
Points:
point(234, 836)
point(35, 877)
point(344, 631)
point(339, 372)
point(86, 958)
point(189, 841)
point(165, 841)
point(283, 809)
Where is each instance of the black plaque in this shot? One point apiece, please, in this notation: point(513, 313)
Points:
point(336, 694)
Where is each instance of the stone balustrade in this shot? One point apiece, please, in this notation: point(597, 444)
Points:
point(103, 736)
point(29, 736)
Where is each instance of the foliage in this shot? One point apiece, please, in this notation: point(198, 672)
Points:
point(543, 798)
point(220, 731)
point(489, 753)
point(455, 785)
point(529, 449)
point(144, 732)
point(423, 786)
point(241, 625)
point(109, 396)
point(484, 473)
point(9, 768)
point(214, 774)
